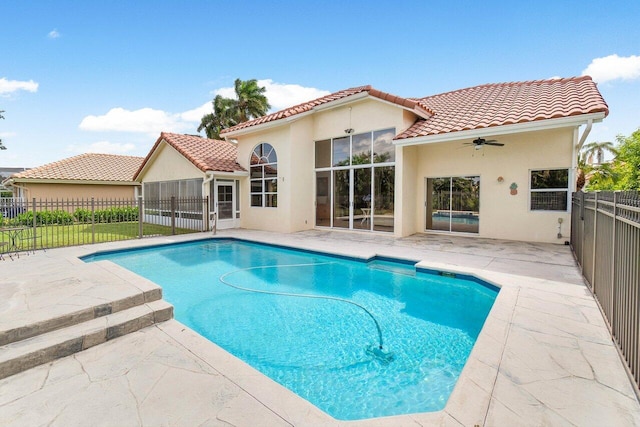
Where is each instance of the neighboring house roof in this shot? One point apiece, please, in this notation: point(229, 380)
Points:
point(205, 154)
point(310, 105)
point(476, 107)
point(90, 167)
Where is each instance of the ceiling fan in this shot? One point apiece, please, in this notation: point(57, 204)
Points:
point(479, 142)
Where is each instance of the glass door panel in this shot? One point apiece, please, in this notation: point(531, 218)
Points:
point(465, 200)
point(384, 185)
point(225, 202)
point(362, 199)
point(341, 211)
point(323, 199)
point(438, 203)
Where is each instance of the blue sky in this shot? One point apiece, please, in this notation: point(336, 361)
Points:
point(109, 76)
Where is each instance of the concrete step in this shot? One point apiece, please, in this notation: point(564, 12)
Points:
point(24, 354)
point(74, 317)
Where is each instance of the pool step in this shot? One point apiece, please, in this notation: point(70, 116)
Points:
point(68, 319)
point(23, 354)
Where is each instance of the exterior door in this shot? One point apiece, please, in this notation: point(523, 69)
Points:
point(225, 204)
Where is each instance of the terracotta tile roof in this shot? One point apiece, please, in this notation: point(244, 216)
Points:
point(86, 167)
point(500, 104)
point(205, 154)
point(308, 106)
point(476, 107)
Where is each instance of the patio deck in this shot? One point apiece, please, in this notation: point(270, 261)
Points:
point(544, 356)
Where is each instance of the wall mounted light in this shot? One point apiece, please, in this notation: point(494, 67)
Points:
point(348, 131)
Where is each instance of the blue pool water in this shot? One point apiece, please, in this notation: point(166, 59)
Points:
point(320, 348)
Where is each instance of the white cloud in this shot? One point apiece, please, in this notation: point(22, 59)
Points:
point(196, 114)
point(280, 95)
point(102, 147)
point(152, 121)
point(613, 67)
point(144, 120)
point(9, 86)
point(53, 34)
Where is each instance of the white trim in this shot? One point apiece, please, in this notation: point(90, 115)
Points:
point(503, 129)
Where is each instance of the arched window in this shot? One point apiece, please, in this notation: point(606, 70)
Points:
point(264, 176)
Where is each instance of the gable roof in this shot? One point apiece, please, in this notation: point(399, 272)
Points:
point(410, 104)
point(476, 107)
point(500, 104)
point(106, 168)
point(205, 154)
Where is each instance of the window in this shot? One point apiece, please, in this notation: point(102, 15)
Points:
point(264, 176)
point(549, 189)
point(355, 181)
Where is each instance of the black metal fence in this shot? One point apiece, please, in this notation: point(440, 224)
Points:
point(29, 225)
point(605, 238)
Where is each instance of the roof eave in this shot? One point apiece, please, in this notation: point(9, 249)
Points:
point(326, 106)
point(69, 181)
point(233, 174)
point(504, 129)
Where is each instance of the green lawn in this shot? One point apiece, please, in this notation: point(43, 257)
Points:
point(53, 236)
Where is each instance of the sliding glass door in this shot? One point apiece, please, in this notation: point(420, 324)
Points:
point(453, 204)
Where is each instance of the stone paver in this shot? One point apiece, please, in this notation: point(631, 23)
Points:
point(544, 356)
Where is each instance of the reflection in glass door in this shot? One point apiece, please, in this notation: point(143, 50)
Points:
point(341, 211)
point(323, 199)
point(453, 204)
point(362, 199)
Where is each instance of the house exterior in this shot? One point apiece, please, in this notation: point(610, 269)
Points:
point(188, 166)
point(99, 176)
point(495, 161)
point(362, 159)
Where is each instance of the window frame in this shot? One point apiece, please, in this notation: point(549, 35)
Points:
point(267, 181)
point(566, 190)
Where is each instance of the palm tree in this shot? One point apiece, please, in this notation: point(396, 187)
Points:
point(250, 103)
point(597, 149)
point(221, 118)
point(583, 169)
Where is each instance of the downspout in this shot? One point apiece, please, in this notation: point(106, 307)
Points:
point(585, 134)
point(577, 148)
point(208, 177)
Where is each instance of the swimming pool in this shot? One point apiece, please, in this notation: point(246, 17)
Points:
point(321, 348)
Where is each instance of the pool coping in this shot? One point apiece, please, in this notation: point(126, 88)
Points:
point(482, 394)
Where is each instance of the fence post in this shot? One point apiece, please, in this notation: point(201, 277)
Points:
point(582, 232)
point(205, 209)
point(140, 217)
point(613, 260)
point(595, 239)
point(173, 215)
point(34, 223)
point(93, 221)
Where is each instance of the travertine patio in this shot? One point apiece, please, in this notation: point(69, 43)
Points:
point(544, 356)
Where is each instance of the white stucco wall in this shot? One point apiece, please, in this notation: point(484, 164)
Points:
point(502, 215)
point(169, 165)
point(295, 146)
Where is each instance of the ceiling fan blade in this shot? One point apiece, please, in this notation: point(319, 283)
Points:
point(495, 143)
